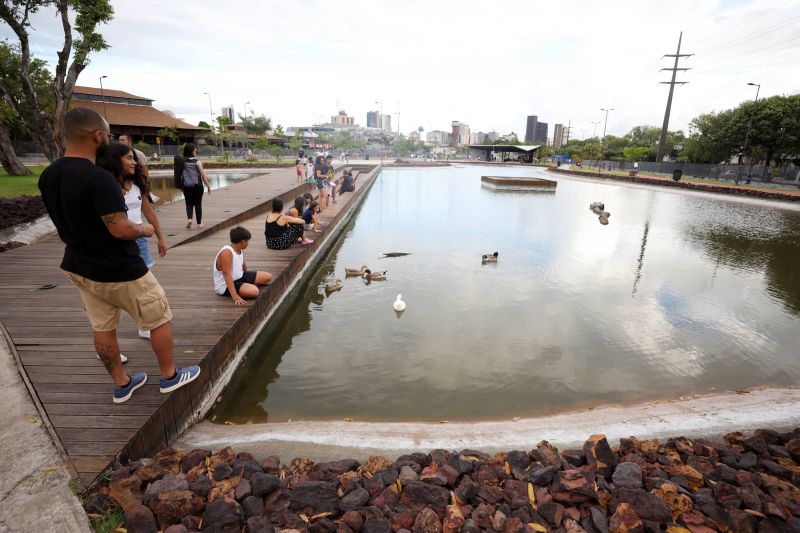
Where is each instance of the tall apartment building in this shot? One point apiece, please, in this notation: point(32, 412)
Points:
point(372, 119)
point(343, 119)
point(459, 135)
point(535, 131)
point(228, 112)
point(559, 135)
point(386, 123)
point(438, 137)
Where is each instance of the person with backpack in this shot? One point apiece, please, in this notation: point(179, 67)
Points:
point(193, 177)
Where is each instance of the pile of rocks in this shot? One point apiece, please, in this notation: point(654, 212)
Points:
point(20, 209)
point(747, 484)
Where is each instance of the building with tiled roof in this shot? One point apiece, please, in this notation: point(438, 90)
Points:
point(131, 114)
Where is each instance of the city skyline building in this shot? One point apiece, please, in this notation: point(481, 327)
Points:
point(343, 119)
point(386, 123)
point(227, 111)
point(459, 133)
point(372, 119)
point(438, 137)
point(558, 135)
point(535, 131)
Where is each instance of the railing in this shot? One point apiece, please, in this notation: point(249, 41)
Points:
point(785, 175)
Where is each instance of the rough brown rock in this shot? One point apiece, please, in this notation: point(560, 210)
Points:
point(625, 520)
point(599, 455)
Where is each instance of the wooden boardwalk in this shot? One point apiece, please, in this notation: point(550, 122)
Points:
point(52, 337)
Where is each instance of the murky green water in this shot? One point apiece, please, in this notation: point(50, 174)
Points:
point(162, 185)
point(681, 293)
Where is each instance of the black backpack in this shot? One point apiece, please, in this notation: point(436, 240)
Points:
point(178, 171)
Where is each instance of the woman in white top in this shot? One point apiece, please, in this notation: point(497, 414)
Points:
point(231, 277)
point(120, 160)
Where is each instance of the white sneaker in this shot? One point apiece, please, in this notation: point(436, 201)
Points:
point(144, 334)
point(121, 358)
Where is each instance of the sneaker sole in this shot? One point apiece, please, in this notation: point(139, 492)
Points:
point(180, 384)
point(128, 396)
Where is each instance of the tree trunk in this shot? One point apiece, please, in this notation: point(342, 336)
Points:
point(766, 176)
point(8, 157)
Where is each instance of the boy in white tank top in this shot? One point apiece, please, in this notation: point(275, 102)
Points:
point(231, 277)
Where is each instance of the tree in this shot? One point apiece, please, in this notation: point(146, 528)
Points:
point(10, 125)
point(279, 130)
point(169, 132)
point(636, 153)
point(204, 124)
point(276, 150)
point(774, 125)
point(295, 143)
point(46, 126)
point(344, 140)
point(257, 125)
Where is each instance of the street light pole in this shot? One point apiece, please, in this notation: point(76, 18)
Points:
point(747, 136)
point(603, 142)
point(103, 97)
point(594, 131)
point(211, 117)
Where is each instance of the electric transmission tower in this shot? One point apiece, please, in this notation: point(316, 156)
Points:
point(662, 143)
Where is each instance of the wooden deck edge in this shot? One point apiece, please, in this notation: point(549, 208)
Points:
point(690, 186)
point(51, 431)
point(185, 406)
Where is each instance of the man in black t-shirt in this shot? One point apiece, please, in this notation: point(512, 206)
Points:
point(101, 258)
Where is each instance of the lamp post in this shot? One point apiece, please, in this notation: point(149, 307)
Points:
point(747, 136)
point(211, 117)
point(603, 142)
point(594, 131)
point(245, 124)
point(103, 97)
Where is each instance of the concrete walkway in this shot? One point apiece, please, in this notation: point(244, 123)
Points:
point(34, 486)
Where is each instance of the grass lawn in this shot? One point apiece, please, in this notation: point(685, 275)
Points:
point(11, 186)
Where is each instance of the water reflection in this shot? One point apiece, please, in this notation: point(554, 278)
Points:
point(162, 185)
point(554, 324)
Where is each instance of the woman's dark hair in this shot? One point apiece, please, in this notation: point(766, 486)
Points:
point(299, 203)
point(277, 205)
point(307, 196)
point(188, 149)
point(314, 205)
point(111, 159)
point(296, 162)
point(318, 160)
point(239, 234)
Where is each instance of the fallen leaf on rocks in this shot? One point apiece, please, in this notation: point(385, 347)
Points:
point(508, 469)
point(304, 517)
point(399, 486)
point(347, 419)
point(537, 527)
point(755, 513)
point(532, 497)
point(32, 421)
point(320, 515)
point(676, 529)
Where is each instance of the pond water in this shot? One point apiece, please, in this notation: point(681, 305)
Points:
point(162, 185)
point(681, 293)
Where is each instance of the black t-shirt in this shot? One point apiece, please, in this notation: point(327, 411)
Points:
point(77, 193)
point(323, 170)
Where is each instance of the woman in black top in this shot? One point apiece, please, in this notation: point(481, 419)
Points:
point(282, 231)
point(194, 176)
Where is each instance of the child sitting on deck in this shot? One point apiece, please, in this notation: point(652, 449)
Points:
point(311, 217)
point(231, 277)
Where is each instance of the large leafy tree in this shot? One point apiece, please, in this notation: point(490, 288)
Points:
point(257, 125)
point(43, 124)
point(11, 124)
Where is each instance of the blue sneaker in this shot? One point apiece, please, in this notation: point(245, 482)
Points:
point(182, 377)
point(123, 394)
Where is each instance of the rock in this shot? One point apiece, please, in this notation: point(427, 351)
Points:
point(245, 468)
point(486, 475)
point(552, 512)
point(407, 475)
point(242, 490)
point(140, 519)
point(389, 475)
point(547, 454)
point(625, 520)
point(276, 501)
point(570, 526)
point(748, 460)
point(252, 506)
point(599, 520)
point(354, 500)
point(726, 495)
point(170, 506)
point(318, 495)
point(150, 472)
point(461, 463)
point(491, 494)
point(258, 524)
point(751, 496)
point(741, 522)
point(376, 526)
point(450, 474)
point(433, 476)
point(194, 458)
point(222, 513)
point(263, 484)
point(628, 475)
point(574, 457)
point(169, 482)
point(323, 525)
point(755, 445)
point(417, 495)
point(793, 447)
point(223, 471)
point(402, 520)
point(271, 465)
point(573, 486)
point(192, 523)
point(650, 507)
point(467, 490)
point(374, 485)
point(694, 478)
point(678, 503)
point(353, 520)
point(599, 455)
point(427, 521)
point(469, 527)
point(201, 486)
point(127, 491)
point(482, 515)
point(543, 476)
point(516, 493)
point(338, 467)
point(775, 469)
point(420, 458)
point(453, 519)
point(176, 528)
point(498, 520)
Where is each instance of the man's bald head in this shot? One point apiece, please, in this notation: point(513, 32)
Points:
point(81, 123)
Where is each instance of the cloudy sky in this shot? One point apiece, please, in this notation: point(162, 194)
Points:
point(488, 64)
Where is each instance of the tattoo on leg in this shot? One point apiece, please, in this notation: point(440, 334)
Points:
point(105, 351)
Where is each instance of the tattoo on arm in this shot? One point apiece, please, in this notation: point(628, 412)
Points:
point(110, 218)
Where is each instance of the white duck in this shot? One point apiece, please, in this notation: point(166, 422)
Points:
point(399, 305)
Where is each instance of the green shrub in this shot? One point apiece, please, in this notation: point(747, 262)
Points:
point(145, 148)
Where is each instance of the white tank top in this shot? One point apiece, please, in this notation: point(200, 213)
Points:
point(237, 271)
point(133, 201)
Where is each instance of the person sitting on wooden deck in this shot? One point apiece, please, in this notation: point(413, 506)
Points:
point(349, 184)
point(231, 277)
point(101, 257)
point(281, 230)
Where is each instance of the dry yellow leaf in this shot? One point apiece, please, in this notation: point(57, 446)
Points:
point(304, 517)
point(347, 419)
point(320, 515)
point(532, 497)
point(538, 527)
point(755, 513)
point(399, 486)
point(508, 469)
point(676, 529)
point(32, 421)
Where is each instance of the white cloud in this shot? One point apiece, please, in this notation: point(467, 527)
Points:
point(488, 64)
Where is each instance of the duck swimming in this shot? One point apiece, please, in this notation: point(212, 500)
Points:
point(333, 286)
point(399, 305)
point(489, 258)
point(375, 276)
point(355, 271)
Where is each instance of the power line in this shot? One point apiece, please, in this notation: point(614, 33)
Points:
point(750, 19)
point(748, 56)
point(748, 37)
